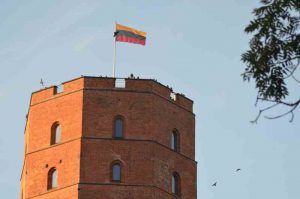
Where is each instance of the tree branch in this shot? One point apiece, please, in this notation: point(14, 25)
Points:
point(293, 70)
point(298, 81)
point(291, 111)
point(281, 102)
point(261, 111)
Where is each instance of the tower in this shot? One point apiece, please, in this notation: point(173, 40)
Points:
point(107, 138)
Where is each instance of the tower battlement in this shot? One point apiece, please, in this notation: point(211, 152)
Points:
point(108, 83)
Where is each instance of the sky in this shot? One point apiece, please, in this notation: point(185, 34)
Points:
point(192, 46)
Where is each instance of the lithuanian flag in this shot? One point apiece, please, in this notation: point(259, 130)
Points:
point(130, 35)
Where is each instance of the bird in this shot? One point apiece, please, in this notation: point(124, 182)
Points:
point(215, 184)
point(131, 76)
point(238, 170)
point(41, 82)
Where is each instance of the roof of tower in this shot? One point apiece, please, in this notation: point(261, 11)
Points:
point(109, 83)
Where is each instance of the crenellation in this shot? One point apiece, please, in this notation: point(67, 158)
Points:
point(73, 85)
point(42, 95)
point(87, 82)
point(99, 83)
point(184, 101)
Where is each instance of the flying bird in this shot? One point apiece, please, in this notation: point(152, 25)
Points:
point(41, 82)
point(237, 170)
point(215, 184)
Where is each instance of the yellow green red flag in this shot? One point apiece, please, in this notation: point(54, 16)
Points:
point(130, 35)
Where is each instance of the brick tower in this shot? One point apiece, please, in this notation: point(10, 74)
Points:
point(107, 138)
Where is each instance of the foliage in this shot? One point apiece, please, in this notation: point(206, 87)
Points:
point(274, 53)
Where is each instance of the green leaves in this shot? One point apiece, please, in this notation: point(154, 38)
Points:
point(274, 49)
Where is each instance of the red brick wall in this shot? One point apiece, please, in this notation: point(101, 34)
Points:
point(144, 164)
point(122, 192)
point(135, 157)
point(147, 116)
point(64, 157)
point(65, 109)
point(46, 108)
point(86, 110)
point(101, 107)
point(70, 192)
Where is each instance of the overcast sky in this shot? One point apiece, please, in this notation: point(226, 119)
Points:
point(192, 46)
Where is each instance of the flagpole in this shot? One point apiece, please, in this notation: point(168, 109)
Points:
point(114, 59)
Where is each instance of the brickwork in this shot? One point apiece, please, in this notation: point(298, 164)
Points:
point(86, 110)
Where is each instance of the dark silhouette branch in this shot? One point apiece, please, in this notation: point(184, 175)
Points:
point(297, 80)
point(291, 73)
point(293, 70)
point(261, 111)
point(293, 106)
point(291, 111)
point(281, 102)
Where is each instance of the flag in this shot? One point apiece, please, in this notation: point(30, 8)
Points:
point(130, 35)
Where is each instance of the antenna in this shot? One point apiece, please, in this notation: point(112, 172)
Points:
point(41, 82)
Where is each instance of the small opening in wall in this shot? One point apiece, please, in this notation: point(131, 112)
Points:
point(173, 96)
point(120, 83)
point(59, 89)
point(46, 165)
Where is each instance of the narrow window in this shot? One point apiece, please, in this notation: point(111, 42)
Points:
point(175, 184)
point(119, 128)
point(55, 133)
point(52, 178)
point(175, 141)
point(116, 172)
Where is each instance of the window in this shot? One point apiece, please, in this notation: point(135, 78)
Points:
point(119, 126)
point(55, 133)
point(116, 172)
point(175, 184)
point(175, 141)
point(52, 178)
